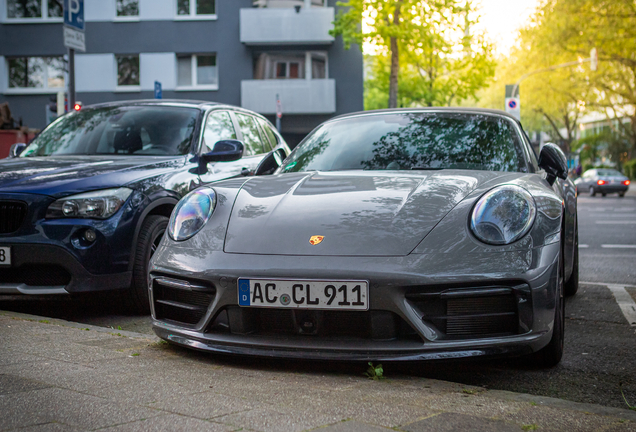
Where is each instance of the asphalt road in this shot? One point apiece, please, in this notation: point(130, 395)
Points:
point(600, 348)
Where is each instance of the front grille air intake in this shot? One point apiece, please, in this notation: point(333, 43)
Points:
point(12, 214)
point(180, 300)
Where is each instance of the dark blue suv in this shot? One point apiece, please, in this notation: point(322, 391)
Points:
point(83, 207)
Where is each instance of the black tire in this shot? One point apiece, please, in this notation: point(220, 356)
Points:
point(572, 285)
point(603, 193)
point(592, 191)
point(621, 194)
point(150, 235)
point(551, 354)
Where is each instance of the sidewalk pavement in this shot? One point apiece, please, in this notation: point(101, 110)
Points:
point(61, 376)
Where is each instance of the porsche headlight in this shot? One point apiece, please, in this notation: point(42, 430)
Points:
point(100, 204)
point(191, 214)
point(503, 215)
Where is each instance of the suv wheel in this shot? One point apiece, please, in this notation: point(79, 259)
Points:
point(150, 236)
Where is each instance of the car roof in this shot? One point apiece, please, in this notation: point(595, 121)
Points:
point(183, 103)
point(429, 109)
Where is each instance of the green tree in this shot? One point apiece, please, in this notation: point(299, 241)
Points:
point(574, 27)
point(425, 44)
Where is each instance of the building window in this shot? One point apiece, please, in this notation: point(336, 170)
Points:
point(127, 70)
point(307, 65)
point(18, 9)
point(197, 71)
point(127, 8)
point(196, 7)
point(36, 72)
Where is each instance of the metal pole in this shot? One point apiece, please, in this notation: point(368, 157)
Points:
point(71, 79)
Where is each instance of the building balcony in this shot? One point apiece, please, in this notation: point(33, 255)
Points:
point(297, 96)
point(302, 24)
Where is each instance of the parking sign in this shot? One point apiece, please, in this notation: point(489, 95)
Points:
point(74, 14)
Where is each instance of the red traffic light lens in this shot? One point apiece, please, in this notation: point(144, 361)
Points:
point(77, 107)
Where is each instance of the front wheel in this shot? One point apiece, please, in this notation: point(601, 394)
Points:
point(572, 285)
point(150, 236)
point(592, 191)
point(551, 354)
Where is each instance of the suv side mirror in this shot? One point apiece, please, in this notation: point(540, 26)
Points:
point(553, 161)
point(16, 149)
point(224, 151)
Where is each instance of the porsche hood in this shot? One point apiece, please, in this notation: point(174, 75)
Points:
point(356, 214)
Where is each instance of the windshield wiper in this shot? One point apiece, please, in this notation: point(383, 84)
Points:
point(427, 168)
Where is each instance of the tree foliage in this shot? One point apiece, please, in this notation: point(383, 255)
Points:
point(440, 61)
point(573, 27)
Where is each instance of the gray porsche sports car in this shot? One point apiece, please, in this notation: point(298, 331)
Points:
point(385, 235)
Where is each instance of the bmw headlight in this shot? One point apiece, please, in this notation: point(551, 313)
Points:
point(100, 204)
point(503, 215)
point(191, 214)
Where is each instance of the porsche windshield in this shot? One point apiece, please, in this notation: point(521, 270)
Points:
point(411, 141)
point(123, 130)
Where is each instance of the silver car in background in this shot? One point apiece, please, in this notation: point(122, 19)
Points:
point(603, 181)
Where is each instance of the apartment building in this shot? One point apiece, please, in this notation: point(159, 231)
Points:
point(241, 52)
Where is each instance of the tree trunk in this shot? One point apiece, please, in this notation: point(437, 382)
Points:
point(395, 61)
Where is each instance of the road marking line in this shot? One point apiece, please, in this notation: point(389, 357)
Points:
point(617, 246)
point(616, 222)
point(625, 301)
point(583, 246)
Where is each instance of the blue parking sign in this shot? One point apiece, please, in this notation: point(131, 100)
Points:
point(74, 14)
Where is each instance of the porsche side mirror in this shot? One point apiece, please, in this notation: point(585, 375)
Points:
point(553, 161)
point(269, 163)
point(16, 149)
point(224, 151)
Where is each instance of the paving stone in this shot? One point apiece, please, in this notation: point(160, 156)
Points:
point(474, 405)
point(51, 427)
point(277, 419)
point(14, 384)
point(52, 405)
point(169, 423)
point(459, 422)
point(621, 426)
point(352, 426)
point(207, 405)
point(559, 420)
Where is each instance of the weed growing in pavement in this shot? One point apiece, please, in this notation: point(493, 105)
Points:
point(45, 321)
point(375, 372)
point(533, 403)
point(134, 354)
point(529, 427)
point(620, 385)
point(470, 391)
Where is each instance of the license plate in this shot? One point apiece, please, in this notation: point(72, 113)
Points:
point(304, 294)
point(5, 256)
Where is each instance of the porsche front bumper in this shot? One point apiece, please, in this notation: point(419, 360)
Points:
point(422, 306)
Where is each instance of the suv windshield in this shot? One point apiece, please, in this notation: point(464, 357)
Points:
point(411, 141)
point(123, 130)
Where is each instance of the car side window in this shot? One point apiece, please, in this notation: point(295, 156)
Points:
point(271, 136)
point(251, 135)
point(218, 126)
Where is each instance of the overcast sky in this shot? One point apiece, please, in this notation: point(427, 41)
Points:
point(501, 19)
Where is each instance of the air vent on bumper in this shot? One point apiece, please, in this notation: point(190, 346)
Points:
point(474, 312)
point(182, 301)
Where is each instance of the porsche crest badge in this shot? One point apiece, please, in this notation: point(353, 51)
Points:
point(314, 240)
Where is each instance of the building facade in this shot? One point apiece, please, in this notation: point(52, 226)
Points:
point(240, 52)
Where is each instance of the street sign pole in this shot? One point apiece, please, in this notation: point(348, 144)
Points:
point(71, 78)
point(279, 113)
point(74, 39)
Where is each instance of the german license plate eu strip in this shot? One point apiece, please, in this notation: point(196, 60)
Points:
point(304, 294)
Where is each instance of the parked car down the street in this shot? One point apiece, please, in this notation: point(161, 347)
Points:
point(84, 206)
point(604, 181)
point(415, 234)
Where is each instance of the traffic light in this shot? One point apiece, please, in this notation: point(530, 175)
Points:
point(77, 106)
